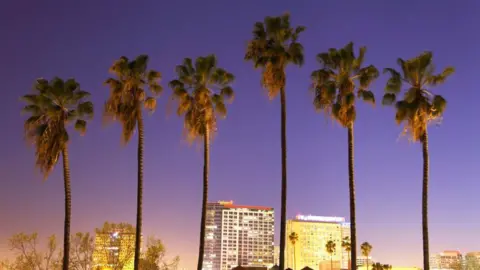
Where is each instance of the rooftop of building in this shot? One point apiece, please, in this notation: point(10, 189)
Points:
point(451, 252)
point(230, 204)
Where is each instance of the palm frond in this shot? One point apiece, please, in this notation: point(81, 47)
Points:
point(227, 93)
point(439, 105)
point(357, 64)
point(81, 126)
point(435, 80)
point(367, 96)
point(394, 83)
point(150, 104)
point(85, 109)
point(389, 99)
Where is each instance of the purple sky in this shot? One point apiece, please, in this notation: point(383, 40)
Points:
point(82, 38)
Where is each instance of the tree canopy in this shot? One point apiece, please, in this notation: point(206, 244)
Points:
point(52, 106)
point(202, 90)
point(419, 105)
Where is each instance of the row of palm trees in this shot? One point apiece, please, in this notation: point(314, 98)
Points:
point(202, 90)
point(331, 247)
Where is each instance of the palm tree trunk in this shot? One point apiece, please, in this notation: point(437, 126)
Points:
point(348, 266)
point(283, 214)
point(68, 208)
point(351, 182)
point(331, 262)
point(138, 232)
point(206, 165)
point(426, 255)
point(294, 258)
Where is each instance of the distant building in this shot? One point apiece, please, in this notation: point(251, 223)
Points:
point(238, 235)
point(114, 248)
point(447, 260)
point(276, 255)
point(393, 268)
point(313, 234)
point(472, 261)
point(362, 261)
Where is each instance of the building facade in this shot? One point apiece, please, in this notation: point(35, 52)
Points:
point(472, 261)
point(450, 259)
point(238, 235)
point(364, 260)
point(313, 234)
point(276, 255)
point(114, 247)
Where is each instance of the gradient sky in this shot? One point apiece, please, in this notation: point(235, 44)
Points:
point(81, 39)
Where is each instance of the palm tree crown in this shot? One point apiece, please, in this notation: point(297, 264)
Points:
point(201, 89)
point(346, 243)
point(128, 93)
point(419, 106)
point(275, 45)
point(53, 106)
point(330, 247)
point(293, 237)
point(387, 267)
point(366, 249)
point(334, 84)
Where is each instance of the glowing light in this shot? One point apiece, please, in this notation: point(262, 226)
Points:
point(225, 202)
point(320, 218)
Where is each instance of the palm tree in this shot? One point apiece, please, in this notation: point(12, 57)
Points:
point(416, 110)
point(293, 237)
point(273, 47)
point(366, 249)
point(330, 248)
point(377, 266)
point(52, 107)
point(334, 87)
point(346, 245)
point(125, 104)
point(202, 89)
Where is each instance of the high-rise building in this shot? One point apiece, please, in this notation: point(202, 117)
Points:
point(313, 234)
point(114, 247)
point(238, 235)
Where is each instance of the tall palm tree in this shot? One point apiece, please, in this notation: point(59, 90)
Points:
point(125, 104)
point(330, 248)
point(202, 90)
point(415, 111)
point(335, 86)
point(346, 245)
point(293, 237)
point(366, 250)
point(52, 107)
point(273, 47)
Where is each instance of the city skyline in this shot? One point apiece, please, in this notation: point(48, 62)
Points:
point(46, 39)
